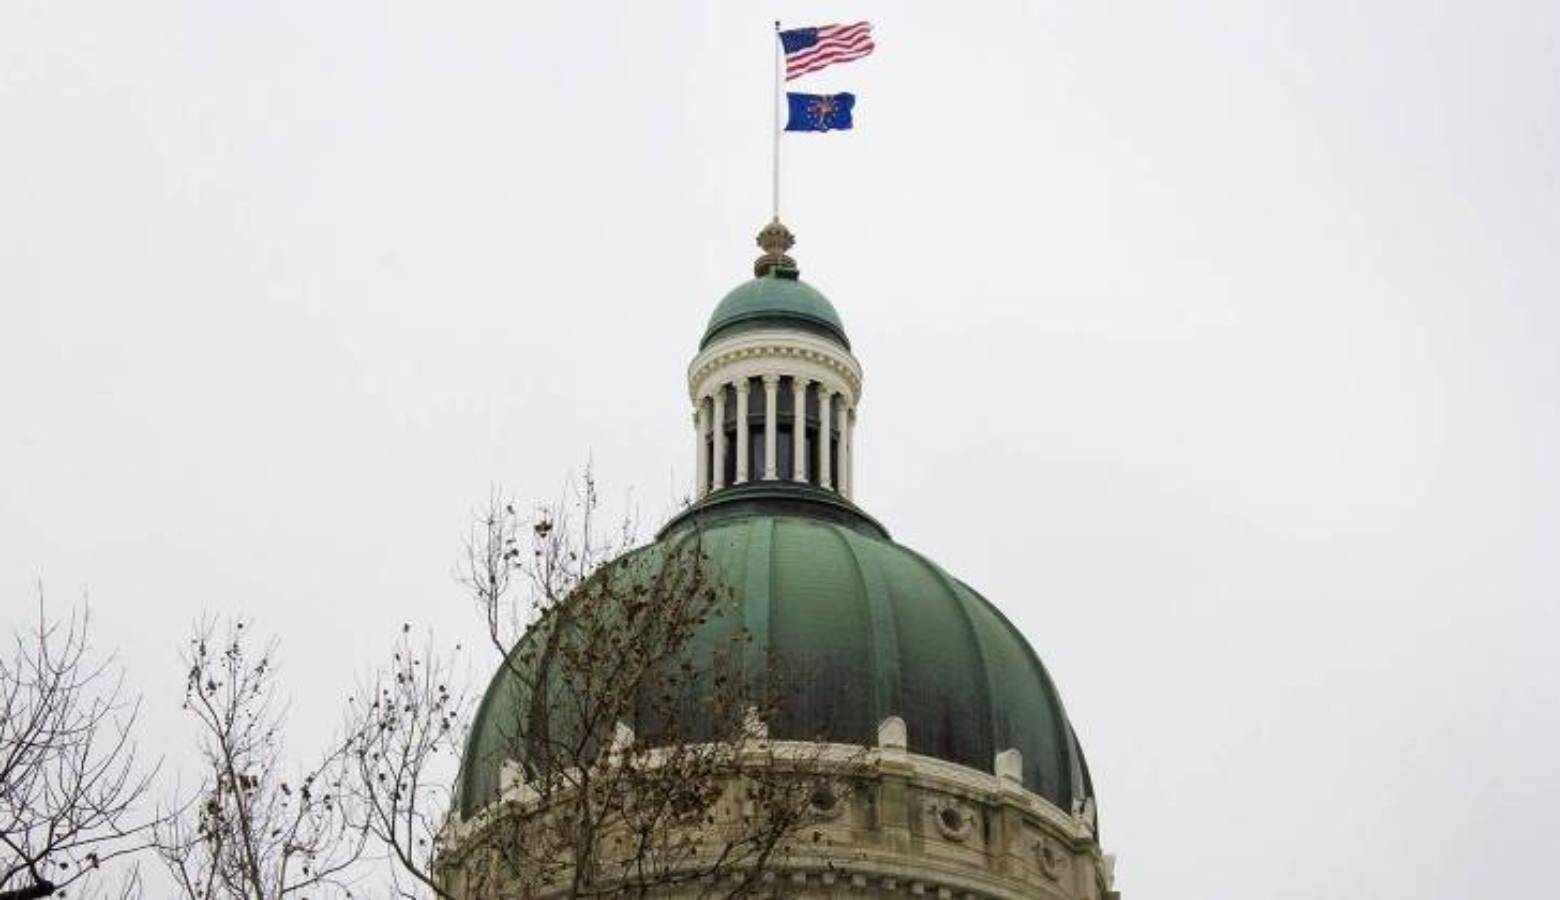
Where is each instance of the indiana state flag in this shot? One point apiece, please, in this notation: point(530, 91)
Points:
point(820, 112)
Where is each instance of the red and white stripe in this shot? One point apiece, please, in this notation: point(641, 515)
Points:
point(836, 44)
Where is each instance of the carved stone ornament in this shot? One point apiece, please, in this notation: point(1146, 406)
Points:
point(826, 800)
point(797, 355)
point(1051, 861)
point(953, 821)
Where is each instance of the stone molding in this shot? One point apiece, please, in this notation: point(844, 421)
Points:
point(755, 354)
point(986, 838)
point(923, 771)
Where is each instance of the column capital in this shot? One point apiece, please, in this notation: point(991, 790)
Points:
point(771, 379)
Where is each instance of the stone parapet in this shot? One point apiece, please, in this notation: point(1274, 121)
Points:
point(888, 823)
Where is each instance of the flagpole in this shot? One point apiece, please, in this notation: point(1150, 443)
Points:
point(775, 207)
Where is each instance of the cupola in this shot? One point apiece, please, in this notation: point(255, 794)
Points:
point(774, 386)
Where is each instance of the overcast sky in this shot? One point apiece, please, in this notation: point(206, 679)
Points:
point(1214, 342)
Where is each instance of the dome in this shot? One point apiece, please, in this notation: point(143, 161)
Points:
point(860, 628)
point(775, 299)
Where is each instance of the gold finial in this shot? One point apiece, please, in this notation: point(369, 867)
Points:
point(775, 239)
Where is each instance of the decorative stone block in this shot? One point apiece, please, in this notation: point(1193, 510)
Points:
point(893, 735)
point(754, 725)
point(622, 738)
point(1009, 767)
point(510, 775)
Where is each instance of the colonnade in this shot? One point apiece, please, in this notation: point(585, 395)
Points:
point(834, 470)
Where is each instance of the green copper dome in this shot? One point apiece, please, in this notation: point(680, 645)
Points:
point(860, 628)
point(775, 299)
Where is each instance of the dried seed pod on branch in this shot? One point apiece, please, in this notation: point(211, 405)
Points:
point(255, 827)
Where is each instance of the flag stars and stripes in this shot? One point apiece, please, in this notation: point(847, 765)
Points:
point(811, 49)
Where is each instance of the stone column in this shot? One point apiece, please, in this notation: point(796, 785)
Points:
point(799, 429)
point(843, 475)
point(825, 414)
point(771, 432)
point(701, 427)
point(718, 401)
point(742, 429)
point(850, 452)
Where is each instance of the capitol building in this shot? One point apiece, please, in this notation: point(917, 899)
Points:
point(968, 780)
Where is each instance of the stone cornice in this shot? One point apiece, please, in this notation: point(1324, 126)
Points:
point(756, 353)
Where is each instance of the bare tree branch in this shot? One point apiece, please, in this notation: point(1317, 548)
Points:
point(250, 830)
point(407, 727)
point(70, 786)
point(638, 758)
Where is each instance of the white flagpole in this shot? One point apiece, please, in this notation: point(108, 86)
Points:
point(779, 57)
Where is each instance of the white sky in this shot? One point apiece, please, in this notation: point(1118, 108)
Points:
point(1214, 342)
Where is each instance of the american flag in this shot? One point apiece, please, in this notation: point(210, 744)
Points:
point(811, 49)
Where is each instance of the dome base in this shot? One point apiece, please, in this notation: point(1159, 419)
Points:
point(884, 822)
point(781, 498)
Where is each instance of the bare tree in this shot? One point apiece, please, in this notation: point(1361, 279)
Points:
point(70, 786)
point(407, 727)
point(253, 829)
point(636, 757)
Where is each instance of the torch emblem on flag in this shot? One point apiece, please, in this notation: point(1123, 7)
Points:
point(819, 112)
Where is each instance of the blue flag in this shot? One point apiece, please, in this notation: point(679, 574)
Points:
point(820, 112)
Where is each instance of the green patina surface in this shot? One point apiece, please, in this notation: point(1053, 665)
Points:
point(859, 628)
point(775, 300)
